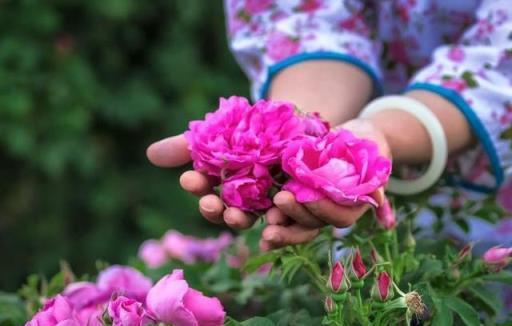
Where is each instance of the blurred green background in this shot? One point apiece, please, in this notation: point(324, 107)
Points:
point(85, 86)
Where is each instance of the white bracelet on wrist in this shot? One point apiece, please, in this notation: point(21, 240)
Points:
point(435, 131)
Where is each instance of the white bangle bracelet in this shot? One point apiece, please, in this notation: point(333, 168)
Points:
point(435, 131)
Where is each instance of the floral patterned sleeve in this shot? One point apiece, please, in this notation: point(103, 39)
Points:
point(267, 36)
point(476, 75)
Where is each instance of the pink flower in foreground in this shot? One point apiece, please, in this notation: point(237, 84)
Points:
point(497, 258)
point(82, 294)
point(314, 125)
point(152, 253)
point(238, 135)
point(91, 316)
point(382, 289)
point(338, 166)
point(281, 46)
point(56, 312)
point(128, 312)
point(125, 281)
point(247, 191)
point(171, 300)
point(385, 215)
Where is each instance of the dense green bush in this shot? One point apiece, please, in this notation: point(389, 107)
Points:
point(85, 86)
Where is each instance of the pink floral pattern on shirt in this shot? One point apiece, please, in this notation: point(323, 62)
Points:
point(464, 46)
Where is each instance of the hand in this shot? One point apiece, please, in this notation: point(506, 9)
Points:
point(173, 152)
point(291, 222)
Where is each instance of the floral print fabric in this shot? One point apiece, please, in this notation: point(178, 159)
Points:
point(461, 50)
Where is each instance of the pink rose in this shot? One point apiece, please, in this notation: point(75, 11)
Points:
point(497, 258)
point(55, 312)
point(125, 281)
point(281, 46)
point(456, 54)
point(314, 125)
point(171, 300)
point(212, 248)
point(82, 294)
point(180, 246)
point(239, 135)
point(128, 312)
point(338, 166)
point(248, 190)
point(152, 253)
point(256, 6)
point(91, 316)
point(383, 288)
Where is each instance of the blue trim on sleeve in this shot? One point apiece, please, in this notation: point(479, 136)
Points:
point(320, 55)
point(478, 128)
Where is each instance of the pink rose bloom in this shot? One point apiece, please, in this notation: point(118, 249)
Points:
point(152, 253)
point(456, 54)
point(505, 197)
point(256, 6)
point(248, 190)
point(238, 135)
point(339, 166)
point(172, 301)
point(128, 312)
point(55, 312)
point(212, 248)
point(180, 246)
point(125, 281)
point(314, 125)
point(281, 46)
point(497, 257)
point(91, 316)
point(385, 215)
point(82, 294)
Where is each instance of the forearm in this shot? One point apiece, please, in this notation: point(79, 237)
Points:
point(337, 90)
point(408, 139)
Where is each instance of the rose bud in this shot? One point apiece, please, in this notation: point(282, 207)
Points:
point(385, 216)
point(382, 289)
point(464, 254)
point(337, 280)
point(358, 267)
point(497, 258)
point(329, 305)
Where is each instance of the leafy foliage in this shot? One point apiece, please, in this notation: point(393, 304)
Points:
point(85, 86)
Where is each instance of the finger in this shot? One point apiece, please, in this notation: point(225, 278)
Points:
point(237, 219)
point(169, 152)
point(196, 183)
point(331, 213)
point(265, 245)
point(211, 207)
point(276, 217)
point(278, 236)
point(286, 202)
point(379, 196)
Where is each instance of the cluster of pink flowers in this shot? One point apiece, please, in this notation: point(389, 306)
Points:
point(247, 148)
point(122, 296)
point(189, 249)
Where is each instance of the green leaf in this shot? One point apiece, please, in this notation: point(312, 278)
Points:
point(500, 277)
point(256, 262)
point(12, 310)
point(257, 321)
point(488, 297)
point(442, 316)
point(465, 311)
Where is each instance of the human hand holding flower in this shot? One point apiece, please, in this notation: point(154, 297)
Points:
point(300, 210)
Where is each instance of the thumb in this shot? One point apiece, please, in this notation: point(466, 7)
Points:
point(169, 152)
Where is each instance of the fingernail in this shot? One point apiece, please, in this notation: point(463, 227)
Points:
point(207, 209)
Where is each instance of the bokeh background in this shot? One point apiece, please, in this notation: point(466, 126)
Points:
point(85, 87)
